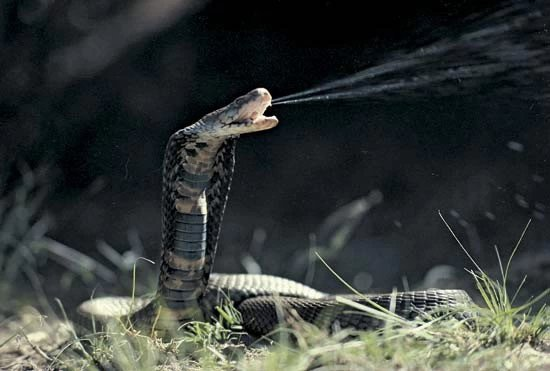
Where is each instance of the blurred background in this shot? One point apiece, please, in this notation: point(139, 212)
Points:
point(90, 91)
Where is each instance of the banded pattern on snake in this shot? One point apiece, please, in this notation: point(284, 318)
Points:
point(197, 172)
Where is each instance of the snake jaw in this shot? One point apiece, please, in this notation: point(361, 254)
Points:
point(265, 122)
point(244, 115)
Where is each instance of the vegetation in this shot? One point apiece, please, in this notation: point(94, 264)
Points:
point(499, 335)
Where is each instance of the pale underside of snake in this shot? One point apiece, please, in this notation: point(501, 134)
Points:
point(197, 173)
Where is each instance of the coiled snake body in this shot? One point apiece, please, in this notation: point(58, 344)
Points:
point(197, 172)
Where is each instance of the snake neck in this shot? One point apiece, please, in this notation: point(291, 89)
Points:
point(188, 169)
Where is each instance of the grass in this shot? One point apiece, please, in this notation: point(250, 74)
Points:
point(500, 335)
point(497, 337)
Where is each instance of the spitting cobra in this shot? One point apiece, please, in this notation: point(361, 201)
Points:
point(197, 172)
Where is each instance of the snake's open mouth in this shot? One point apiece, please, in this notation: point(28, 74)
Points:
point(250, 110)
point(262, 99)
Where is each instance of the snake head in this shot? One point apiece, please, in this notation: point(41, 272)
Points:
point(244, 115)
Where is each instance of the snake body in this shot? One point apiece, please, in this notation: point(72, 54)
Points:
point(197, 171)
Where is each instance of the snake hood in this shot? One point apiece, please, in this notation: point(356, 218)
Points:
point(244, 115)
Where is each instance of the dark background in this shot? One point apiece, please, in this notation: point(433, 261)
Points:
point(93, 90)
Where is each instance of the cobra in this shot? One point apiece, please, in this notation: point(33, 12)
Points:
point(197, 172)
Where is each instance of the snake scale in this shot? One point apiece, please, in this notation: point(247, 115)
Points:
point(197, 171)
